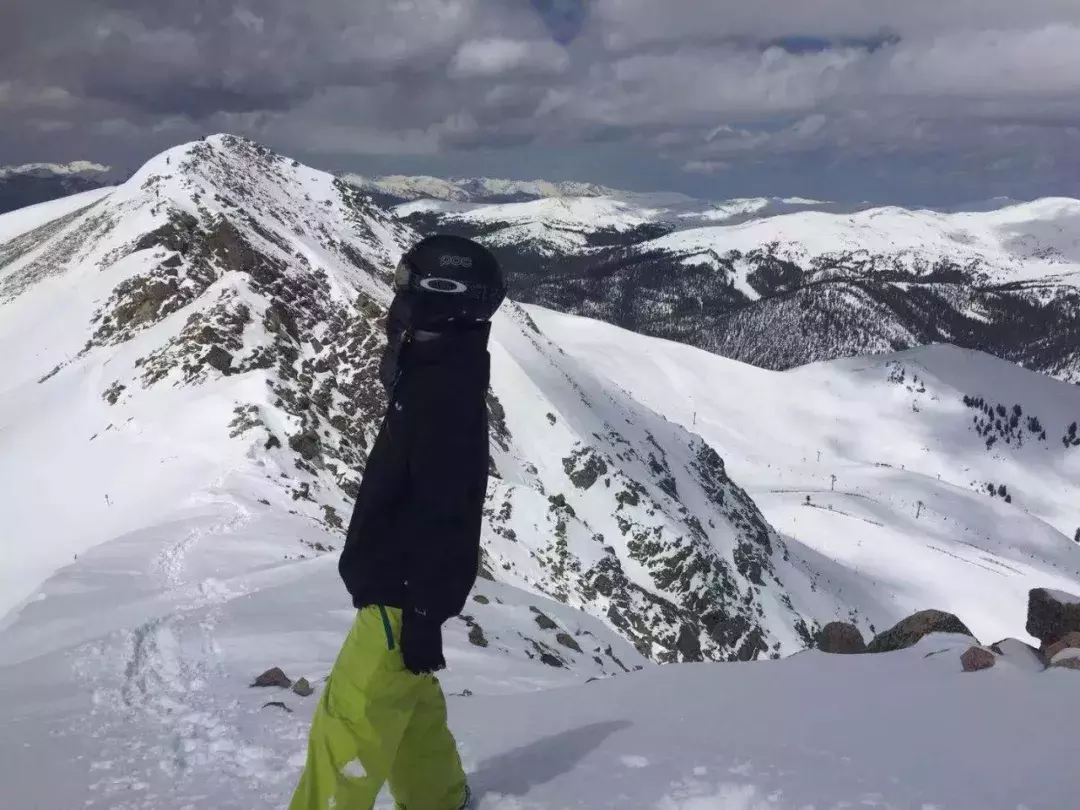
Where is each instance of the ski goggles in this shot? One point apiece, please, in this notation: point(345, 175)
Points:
point(406, 279)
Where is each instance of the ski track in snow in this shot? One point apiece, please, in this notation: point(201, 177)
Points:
point(159, 718)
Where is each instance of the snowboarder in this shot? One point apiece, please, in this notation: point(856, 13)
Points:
point(413, 546)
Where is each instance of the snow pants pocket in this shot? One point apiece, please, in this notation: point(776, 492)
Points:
point(376, 722)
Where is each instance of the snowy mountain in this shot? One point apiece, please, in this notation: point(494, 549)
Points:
point(400, 188)
point(218, 316)
point(187, 394)
point(33, 183)
point(787, 289)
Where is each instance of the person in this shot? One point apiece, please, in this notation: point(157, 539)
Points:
point(413, 546)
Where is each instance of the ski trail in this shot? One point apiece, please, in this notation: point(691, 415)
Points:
point(163, 722)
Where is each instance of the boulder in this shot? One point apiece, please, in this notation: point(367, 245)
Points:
point(1067, 663)
point(976, 658)
point(1065, 642)
point(218, 358)
point(303, 688)
point(841, 638)
point(910, 631)
point(1020, 654)
point(1052, 615)
point(273, 677)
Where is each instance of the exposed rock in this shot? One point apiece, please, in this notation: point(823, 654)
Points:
point(976, 658)
point(307, 445)
point(1067, 663)
point(332, 518)
point(476, 636)
point(220, 359)
point(277, 704)
point(481, 599)
point(1052, 615)
point(273, 677)
point(543, 620)
point(842, 638)
point(909, 631)
point(1071, 639)
point(568, 641)
point(303, 688)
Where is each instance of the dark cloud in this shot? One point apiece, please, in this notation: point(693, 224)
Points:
point(936, 90)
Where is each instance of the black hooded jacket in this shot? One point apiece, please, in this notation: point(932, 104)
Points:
point(414, 537)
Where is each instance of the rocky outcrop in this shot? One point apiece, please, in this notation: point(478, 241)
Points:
point(909, 631)
point(976, 658)
point(1069, 640)
point(273, 677)
point(1052, 615)
point(841, 638)
point(303, 688)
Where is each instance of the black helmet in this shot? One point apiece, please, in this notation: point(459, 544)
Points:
point(448, 281)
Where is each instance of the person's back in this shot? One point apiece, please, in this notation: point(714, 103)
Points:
point(412, 551)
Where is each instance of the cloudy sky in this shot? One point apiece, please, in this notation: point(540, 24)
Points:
point(911, 101)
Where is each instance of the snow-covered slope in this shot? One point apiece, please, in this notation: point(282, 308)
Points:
point(897, 456)
point(160, 716)
point(551, 228)
point(187, 393)
point(783, 289)
point(1024, 242)
point(218, 315)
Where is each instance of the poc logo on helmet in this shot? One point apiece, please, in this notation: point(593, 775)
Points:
point(447, 260)
point(443, 285)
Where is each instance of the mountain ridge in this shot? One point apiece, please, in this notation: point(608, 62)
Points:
point(1006, 281)
point(256, 286)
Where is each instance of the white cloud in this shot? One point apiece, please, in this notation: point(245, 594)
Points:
point(498, 57)
point(705, 166)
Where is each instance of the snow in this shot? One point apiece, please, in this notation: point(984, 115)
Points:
point(465, 189)
point(1064, 598)
point(134, 618)
point(595, 212)
point(1016, 653)
point(75, 167)
point(890, 447)
point(26, 219)
point(1023, 242)
point(160, 716)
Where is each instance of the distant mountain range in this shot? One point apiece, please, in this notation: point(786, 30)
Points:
point(757, 281)
point(33, 183)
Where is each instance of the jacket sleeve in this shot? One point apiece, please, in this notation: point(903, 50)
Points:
point(448, 462)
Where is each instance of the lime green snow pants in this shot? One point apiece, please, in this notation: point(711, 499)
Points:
point(377, 722)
